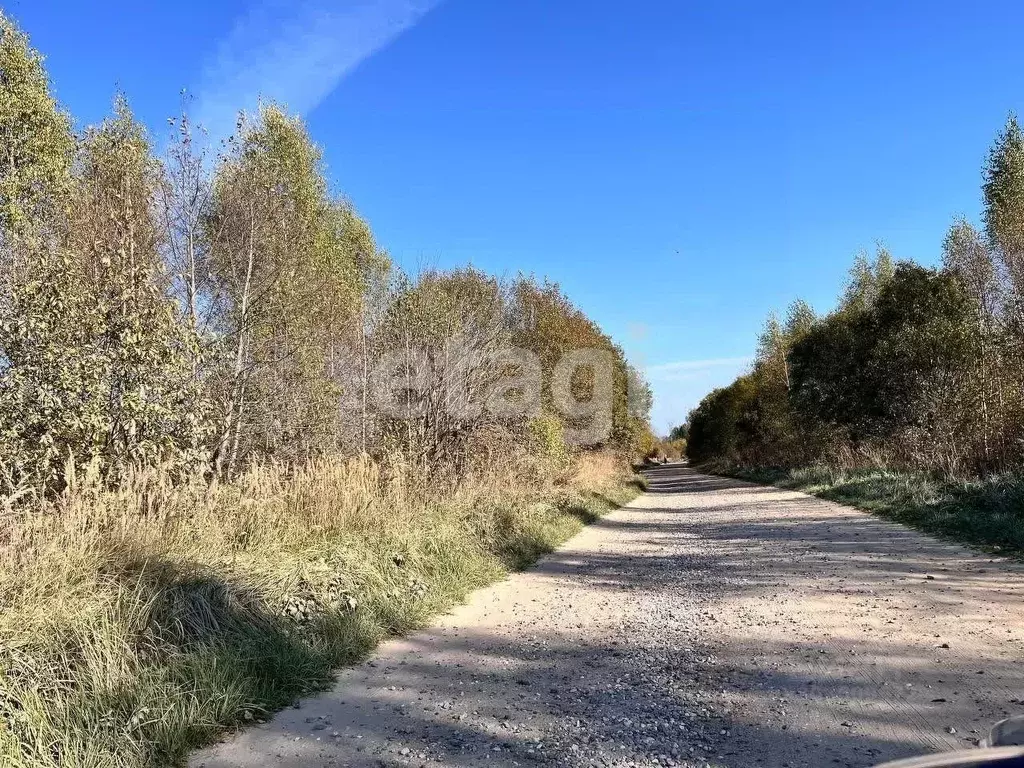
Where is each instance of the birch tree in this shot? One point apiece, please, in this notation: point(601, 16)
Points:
point(291, 282)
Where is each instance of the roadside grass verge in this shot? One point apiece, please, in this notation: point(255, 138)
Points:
point(139, 623)
point(988, 513)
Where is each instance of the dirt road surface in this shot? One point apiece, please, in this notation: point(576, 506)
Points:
point(709, 623)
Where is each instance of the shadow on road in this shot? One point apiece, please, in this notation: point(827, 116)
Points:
point(701, 653)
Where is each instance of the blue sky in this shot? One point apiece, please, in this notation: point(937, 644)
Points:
point(681, 168)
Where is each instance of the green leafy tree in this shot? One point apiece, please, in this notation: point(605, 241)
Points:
point(289, 266)
point(800, 319)
point(680, 432)
point(970, 260)
point(1004, 226)
point(919, 313)
point(895, 368)
point(154, 407)
point(772, 349)
point(443, 334)
point(1004, 203)
point(547, 323)
point(638, 432)
point(98, 366)
point(866, 278)
point(719, 427)
point(36, 144)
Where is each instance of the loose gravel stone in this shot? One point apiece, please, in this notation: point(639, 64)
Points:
point(709, 624)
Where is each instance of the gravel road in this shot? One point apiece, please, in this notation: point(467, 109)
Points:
point(709, 623)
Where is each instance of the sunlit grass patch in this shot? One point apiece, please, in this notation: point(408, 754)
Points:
point(140, 622)
point(987, 512)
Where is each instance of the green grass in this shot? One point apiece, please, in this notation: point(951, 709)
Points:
point(128, 640)
point(988, 513)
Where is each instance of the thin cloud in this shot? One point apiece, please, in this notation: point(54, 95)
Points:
point(684, 370)
point(679, 386)
point(296, 53)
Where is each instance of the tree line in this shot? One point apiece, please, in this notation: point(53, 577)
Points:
point(212, 307)
point(916, 368)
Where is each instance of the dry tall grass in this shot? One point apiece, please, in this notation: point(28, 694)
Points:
point(139, 621)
